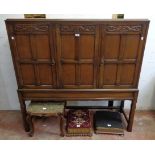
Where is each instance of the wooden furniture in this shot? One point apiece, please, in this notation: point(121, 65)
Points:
point(46, 109)
point(77, 59)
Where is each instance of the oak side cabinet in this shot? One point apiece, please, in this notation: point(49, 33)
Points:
point(77, 60)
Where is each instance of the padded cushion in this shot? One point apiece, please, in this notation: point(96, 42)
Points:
point(45, 107)
point(108, 122)
point(78, 122)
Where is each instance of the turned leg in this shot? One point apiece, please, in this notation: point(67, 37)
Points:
point(110, 103)
point(61, 118)
point(29, 120)
point(131, 114)
point(23, 111)
point(122, 106)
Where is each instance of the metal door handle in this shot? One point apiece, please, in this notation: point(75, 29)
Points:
point(102, 61)
point(53, 62)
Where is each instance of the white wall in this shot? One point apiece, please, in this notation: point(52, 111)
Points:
point(146, 99)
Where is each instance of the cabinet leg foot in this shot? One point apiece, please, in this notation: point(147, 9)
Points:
point(23, 112)
point(110, 103)
point(131, 114)
point(122, 106)
point(61, 118)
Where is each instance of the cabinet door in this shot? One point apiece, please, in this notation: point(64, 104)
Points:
point(77, 53)
point(121, 55)
point(34, 55)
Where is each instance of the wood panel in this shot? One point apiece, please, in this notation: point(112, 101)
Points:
point(110, 74)
point(67, 47)
point(45, 74)
point(35, 57)
point(74, 59)
point(127, 74)
point(86, 74)
point(73, 94)
point(42, 47)
point(68, 74)
point(23, 46)
point(131, 46)
point(77, 56)
point(87, 45)
point(33, 47)
point(120, 51)
point(68, 67)
point(28, 74)
point(111, 49)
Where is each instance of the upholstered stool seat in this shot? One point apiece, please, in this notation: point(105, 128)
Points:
point(45, 109)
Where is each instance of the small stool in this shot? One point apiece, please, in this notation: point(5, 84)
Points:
point(45, 109)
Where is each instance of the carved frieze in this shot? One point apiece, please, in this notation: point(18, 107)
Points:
point(77, 28)
point(31, 28)
point(124, 28)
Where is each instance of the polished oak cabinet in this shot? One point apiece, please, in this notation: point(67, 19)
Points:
point(77, 59)
point(34, 56)
point(120, 55)
point(77, 55)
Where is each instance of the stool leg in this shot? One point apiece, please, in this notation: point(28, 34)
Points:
point(110, 103)
point(122, 106)
point(65, 113)
point(61, 118)
point(29, 120)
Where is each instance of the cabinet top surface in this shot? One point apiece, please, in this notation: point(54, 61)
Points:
point(79, 20)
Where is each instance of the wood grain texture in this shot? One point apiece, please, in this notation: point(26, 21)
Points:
point(77, 59)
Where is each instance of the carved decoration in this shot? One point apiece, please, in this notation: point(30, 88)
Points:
point(124, 28)
point(77, 28)
point(31, 28)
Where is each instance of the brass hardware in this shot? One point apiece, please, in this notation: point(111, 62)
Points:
point(34, 15)
point(102, 61)
point(117, 16)
point(53, 62)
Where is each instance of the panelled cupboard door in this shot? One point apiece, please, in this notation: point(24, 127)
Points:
point(77, 53)
point(34, 55)
point(120, 56)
